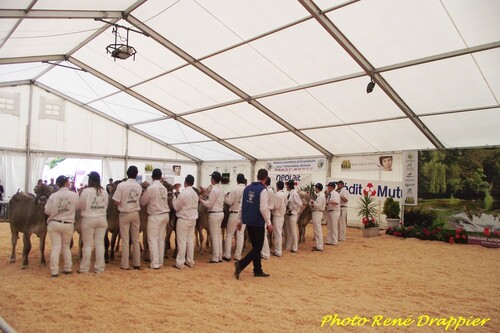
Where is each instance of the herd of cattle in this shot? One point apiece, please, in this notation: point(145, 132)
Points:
point(27, 216)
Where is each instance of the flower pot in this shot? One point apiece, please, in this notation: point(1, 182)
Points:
point(371, 232)
point(392, 222)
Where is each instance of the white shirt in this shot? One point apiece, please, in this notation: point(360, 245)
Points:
point(61, 205)
point(270, 193)
point(93, 204)
point(215, 202)
point(128, 194)
point(234, 198)
point(344, 197)
point(319, 203)
point(294, 202)
point(156, 197)
point(186, 204)
point(333, 201)
point(280, 202)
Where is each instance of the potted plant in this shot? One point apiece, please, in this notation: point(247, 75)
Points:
point(391, 211)
point(367, 209)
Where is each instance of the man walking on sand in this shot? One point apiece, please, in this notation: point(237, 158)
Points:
point(255, 215)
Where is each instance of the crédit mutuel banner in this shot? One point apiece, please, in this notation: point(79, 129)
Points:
point(299, 171)
point(378, 189)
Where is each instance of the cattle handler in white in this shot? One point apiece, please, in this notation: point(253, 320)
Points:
point(93, 204)
point(215, 206)
point(279, 218)
point(126, 197)
point(186, 207)
point(234, 202)
point(156, 198)
point(291, 215)
point(332, 214)
point(344, 202)
point(61, 208)
point(318, 207)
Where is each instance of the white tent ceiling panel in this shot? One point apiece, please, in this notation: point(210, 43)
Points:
point(18, 72)
point(209, 151)
point(251, 18)
point(466, 129)
point(82, 86)
point(15, 4)
point(393, 31)
point(188, 25)
point(349, 101)
point(395, 135)
point(14, 110)
point(171, 131)
point(6, 27)
point(235, 120)
point(488, 62)
point(340, 140)
point(477, 21)
point(140, 146)
point(281, 145)
point(450, 84)
point(249, 70)
point(46, 37)
point(83, 5)
point(126, 108)
point(326, 4)
point(151, 59)
point(301, 110)
point(306, 53)
point(184, 90)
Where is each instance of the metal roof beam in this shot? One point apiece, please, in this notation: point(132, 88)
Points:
point(59, 14)
point(23, 60)
point(217, 78)
point(325, 22)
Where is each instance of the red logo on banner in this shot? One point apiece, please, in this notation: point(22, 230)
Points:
point(370, 190)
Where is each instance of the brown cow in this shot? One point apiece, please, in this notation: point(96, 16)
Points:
point(305, 216)
point(27, 215)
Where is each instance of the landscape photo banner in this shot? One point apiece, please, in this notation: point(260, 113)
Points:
point(366, 163)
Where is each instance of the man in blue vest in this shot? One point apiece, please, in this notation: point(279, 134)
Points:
point(254, 213)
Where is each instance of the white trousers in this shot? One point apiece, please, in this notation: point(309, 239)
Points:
point(278, 234)
point(157, 226)
point(60, 238)
point(232, 226)
point(214, 225)
point(332, 224)
point(342, 223)
point(93, 229)
point(240, 240)
point(291, 239)
point(265, 252)
point(129, 226)
point(184, 231)
point(318, 231)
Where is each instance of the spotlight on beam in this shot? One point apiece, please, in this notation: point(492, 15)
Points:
point(370, 86)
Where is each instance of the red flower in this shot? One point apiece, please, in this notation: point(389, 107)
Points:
point(426, 232)
point(464, 237)
point(452, 241)
point(457, 236)
point(487, 231)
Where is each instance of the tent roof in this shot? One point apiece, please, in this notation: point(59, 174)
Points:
point(222, 80)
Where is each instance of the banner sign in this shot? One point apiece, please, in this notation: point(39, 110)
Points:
point(296, 166)
point(365, 163)
point(410, 178)
point(378, 189)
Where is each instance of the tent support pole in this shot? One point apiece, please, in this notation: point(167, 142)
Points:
point(28, 142)
point(126, 150)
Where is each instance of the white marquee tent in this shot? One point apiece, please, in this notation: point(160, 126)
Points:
point(246, 79)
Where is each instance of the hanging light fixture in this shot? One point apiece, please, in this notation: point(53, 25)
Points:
point(370, 86)
point(120, 50)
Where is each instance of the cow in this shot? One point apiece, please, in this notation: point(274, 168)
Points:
point(27, 215)
point(305, 215)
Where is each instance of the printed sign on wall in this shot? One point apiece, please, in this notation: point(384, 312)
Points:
point(410, 178)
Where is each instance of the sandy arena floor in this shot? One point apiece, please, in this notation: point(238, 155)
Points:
point(383, 276)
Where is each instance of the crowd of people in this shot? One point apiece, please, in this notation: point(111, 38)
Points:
point(256, 207)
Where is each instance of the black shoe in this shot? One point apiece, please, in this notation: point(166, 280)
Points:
point(261, 274)
point(137, 267)
point(316, 249)
point(226, 259)
point(276, 255)
point(175, 266)
point(54, 275)
point(262, 257)
point(293, 251)
point(124, 269)
point(237, 270)
point(67, 272)
point(213, 262)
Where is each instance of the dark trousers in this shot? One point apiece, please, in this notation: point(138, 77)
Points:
point(256, 235)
